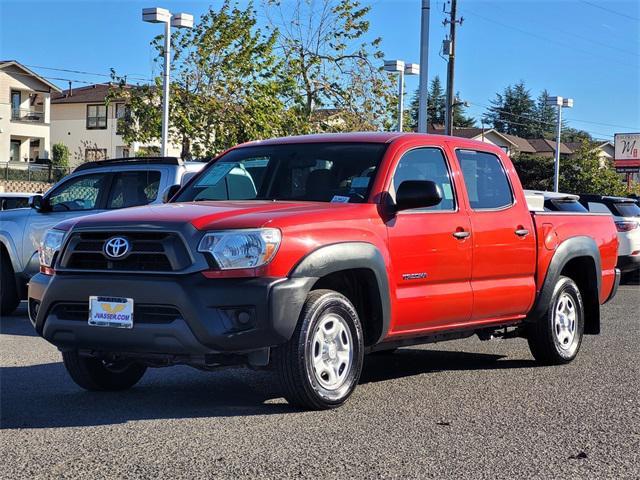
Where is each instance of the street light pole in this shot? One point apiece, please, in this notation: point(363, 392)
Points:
point(398, 66)
point(179, 20)
point(424, 64)
point(560, 103)
point(400, 99)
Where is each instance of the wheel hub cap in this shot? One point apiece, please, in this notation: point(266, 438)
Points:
point(331, 351)
point(565, 321)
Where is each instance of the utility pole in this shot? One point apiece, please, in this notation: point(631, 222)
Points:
point(423, 121)
point(452, 22)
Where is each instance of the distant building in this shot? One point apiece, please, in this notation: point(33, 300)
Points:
point(81, 119)
point(24, 113)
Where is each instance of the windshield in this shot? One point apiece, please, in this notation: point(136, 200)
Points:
point(627, 209)
point(318, 172)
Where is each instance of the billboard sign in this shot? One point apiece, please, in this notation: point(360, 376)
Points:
point(627, 146)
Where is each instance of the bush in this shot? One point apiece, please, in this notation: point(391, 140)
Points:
point(60, 154)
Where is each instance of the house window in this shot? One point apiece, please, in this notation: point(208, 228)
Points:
point(16, 100)
point(121, 112)
point(93, 154)
point(96, 117)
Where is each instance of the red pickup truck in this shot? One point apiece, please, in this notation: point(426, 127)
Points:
point(304, 254)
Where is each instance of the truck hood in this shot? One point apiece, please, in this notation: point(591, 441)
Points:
point(221, 214)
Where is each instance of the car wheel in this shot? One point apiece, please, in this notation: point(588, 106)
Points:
point(556, 337)
point(9, 298)
point(99, 375)
point(319, 367)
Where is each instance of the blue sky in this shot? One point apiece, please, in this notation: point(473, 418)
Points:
point(588, 50)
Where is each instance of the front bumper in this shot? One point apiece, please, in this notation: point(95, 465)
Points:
point(205, 320)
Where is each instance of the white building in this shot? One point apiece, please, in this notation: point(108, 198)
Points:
point(82, 120)
point(24, 113)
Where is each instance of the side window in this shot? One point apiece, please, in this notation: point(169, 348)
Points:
point(425, 164)
point(79, 193)
point(130, 189)
point(486, 181)
point(597, 207)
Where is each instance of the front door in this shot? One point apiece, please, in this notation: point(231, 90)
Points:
point(431, 268)
point(504, 248)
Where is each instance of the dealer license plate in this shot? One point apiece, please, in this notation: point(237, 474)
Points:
point(111, 312)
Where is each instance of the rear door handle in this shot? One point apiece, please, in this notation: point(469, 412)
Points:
point(522, 232)
point(461, 235)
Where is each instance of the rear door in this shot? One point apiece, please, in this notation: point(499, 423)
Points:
point(504, 247)
point(431, 266)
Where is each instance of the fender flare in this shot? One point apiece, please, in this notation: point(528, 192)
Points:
point(348, 256)
point(574, 247)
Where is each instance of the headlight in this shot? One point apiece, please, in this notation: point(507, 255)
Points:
point(241, 248)
point(49, 246)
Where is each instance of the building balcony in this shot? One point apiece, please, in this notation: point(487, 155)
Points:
point(31, 115)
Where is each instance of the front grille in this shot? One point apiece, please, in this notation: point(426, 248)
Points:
point(149, 252)
point(141, 313)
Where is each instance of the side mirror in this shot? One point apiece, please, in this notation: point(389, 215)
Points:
point(169, 193)
point(38, 203)
point(417, 194)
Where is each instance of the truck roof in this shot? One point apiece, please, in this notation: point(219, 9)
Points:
point(364, 137)
point(133, 161)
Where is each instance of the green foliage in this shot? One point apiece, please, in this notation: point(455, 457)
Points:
point(513, 111)
point(584, 173)
point(535, 172)
point(226, 86)
point(436, 106)
point(574, 135)
point(330, 65)
point(60, 155)
point(545, 116)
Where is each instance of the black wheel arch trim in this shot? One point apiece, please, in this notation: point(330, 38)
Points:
point(574, 247)
point(342, 256)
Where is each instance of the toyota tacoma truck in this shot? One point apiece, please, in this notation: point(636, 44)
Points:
point(303, 254)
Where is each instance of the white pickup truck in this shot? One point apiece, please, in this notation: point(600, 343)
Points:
point(93, 187)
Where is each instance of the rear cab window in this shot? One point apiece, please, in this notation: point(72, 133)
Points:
point(486, 180)
point(627, 209)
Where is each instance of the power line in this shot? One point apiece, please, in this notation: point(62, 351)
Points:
point(540, 37)
point(615, 12)
point(87, 73)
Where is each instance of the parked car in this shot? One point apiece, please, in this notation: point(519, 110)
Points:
point(93, 187)
point(539, 200)
point(626, 215)
point(339, 245)
point(9, 200)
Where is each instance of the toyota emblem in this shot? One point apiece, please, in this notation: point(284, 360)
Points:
point(116, 247)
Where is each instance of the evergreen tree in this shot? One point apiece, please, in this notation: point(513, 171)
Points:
point(546, 117)
point(435, 105)
point(513, 112)
point(460, 120)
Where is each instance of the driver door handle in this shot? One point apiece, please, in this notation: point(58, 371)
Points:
point(522, 232)
point(461, 235)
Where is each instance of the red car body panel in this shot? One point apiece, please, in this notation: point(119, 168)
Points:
point(491, 277)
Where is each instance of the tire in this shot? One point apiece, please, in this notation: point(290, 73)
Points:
point(92, 374)
point(320, 366)
point(556, 337)
point(9, 298)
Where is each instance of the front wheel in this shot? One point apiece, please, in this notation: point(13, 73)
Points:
point(9, 299)
point(319, 367)
point(99, 375)
point(555, 337)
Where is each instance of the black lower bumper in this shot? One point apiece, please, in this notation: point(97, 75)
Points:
point(628, 263)
point(179, 315)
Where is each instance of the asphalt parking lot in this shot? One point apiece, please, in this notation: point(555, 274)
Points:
point(463, 409)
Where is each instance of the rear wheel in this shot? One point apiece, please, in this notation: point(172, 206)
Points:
point(319, 367)
point(556, 337)
point(95, 374)
point(9, 298)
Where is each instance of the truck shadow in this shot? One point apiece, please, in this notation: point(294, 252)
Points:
point(43, 396)
point(18, 323)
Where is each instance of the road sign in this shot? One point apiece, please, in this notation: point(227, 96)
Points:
point(627, 146)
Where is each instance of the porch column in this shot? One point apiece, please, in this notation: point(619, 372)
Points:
point(47, 109)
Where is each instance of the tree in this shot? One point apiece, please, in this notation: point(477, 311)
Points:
point(545, 116)
point(460, 120)
point(513, 112)
point(574, 135)
point(435, 104)
point(227, 86)
point(331, 64)
point(584, 173)
point(535, 172)
point(60, 155)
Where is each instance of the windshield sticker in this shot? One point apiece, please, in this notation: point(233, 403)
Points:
point(339, 199)
point(360, 182)
point(216, 173)
point(446, 191)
